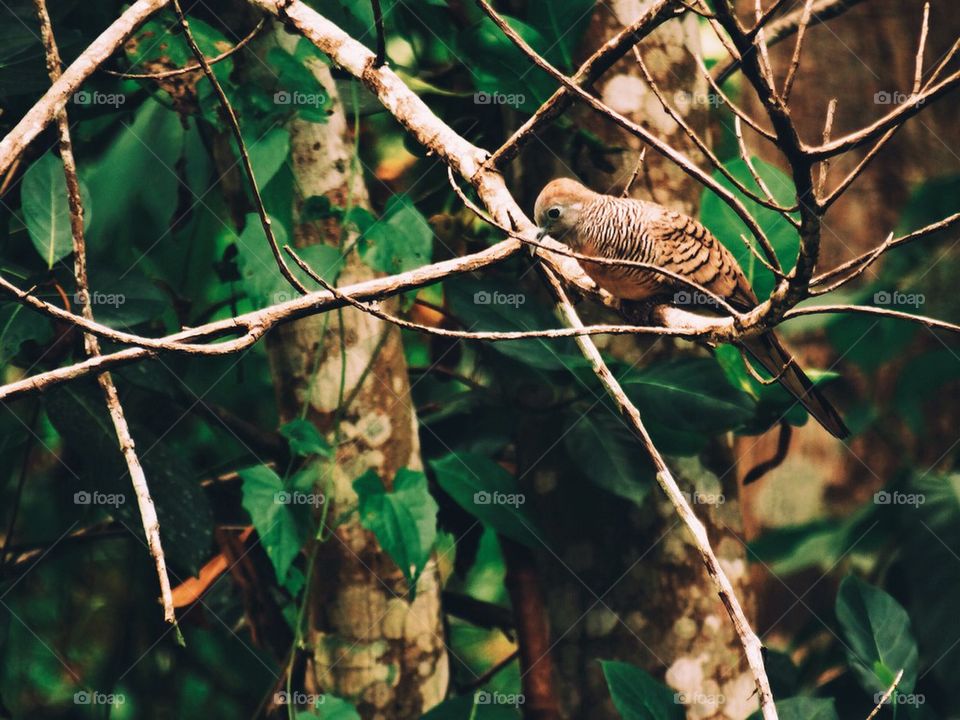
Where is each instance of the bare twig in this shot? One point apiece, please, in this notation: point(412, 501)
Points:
point(189, 68)
point(886, 695)
point(636, 173)
point(921, 46)
point(827, 130)
point(871, 310)
point(148, 511)
point(231, 116)
point(734, 108)
point(873, 255)
point(748, 638)
point(762, 468)
point(797, 50)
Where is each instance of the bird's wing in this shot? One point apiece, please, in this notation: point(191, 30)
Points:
point(687, 248)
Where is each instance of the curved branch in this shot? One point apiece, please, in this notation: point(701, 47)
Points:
point(871, 310)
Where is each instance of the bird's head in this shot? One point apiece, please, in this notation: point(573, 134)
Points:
point(559, 205)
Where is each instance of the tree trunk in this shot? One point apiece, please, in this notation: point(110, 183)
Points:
point(368, 643)
point(633, 587)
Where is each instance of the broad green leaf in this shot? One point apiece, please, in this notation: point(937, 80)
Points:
point(685, 401)
point(724, 222)
point(400, 241)
point(262, 278)
point(404, 519)
point(487, 305)
point(467, 707)
point(305, 439)
point(878, 635)
point(299, 90)
point(804, 708)
point(637, 696)
point(488, 492)
point(609, 455)
point(279, 534)
point(331, 707)
point(46, 210)
point(18, 325)
point(268, 153)
point(562, 25)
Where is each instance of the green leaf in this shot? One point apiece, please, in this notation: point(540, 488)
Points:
point(279, 534)
point(331, 707)
point(403, 519)
point(637, 696)
point(305, 439)
point(928, 374)
point(488, 492)
point(562, 25)
point(609, 455)
point(400, 241)
point(18, 325)
point(724, 222)
point(466, 707)
point(46, 210)
point(803, 708)
point(262, 278)
point(268, 154)
point(878, 634)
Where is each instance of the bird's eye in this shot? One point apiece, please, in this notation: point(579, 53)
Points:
point(553, 213)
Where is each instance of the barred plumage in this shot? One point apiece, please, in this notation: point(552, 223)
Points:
point(616, 228)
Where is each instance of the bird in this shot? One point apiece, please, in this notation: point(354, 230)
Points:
point(618, 228)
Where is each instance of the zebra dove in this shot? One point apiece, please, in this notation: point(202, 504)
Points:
point(626, 229)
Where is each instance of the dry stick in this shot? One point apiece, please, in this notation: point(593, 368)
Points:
point(55, 99)
point(241, 148)
point(188, 68)
point(797, 50)
point(678, 158)
point(765, 16)
point(734, 108)
point(759, 39)
point(148, 511)
point(783, 28)
point(768, 202)
point(827, 129)
point(874, 254)
point(636, 173)
point(925, 231)
point(588, 73)
point(871, 310)
point(748, 161)
point(886, 696)
point(748, 638)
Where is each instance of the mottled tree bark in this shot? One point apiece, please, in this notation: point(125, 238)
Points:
point(631, 586)
point(367, 641)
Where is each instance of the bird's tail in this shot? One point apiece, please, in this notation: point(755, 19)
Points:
point(773, 356)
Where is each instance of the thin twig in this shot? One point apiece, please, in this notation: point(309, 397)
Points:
point(381, 57)
point(872, 310)
point(148, 511)
point(636, 173)
point(163, 74)
point(797, 50)
point(748, 638)
point(874, 254)
point(886, 695)
point(241, 148)
point(921, 45)
point(827, 130)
